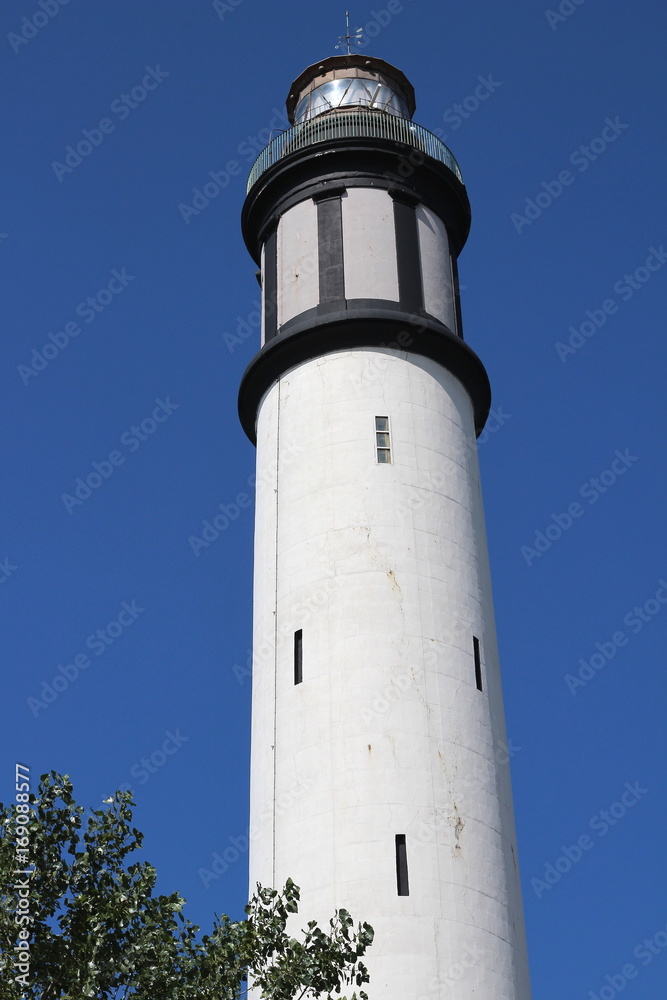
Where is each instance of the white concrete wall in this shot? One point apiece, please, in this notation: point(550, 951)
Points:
point(298, 279)
point(385, 569)
point(436, 267)
point(369, 244)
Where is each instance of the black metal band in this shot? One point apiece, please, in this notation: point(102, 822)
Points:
point(357, 327)
point(314, 172)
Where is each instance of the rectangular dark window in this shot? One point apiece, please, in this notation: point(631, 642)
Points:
point(330, 247)
point(271, 287)
point(457, 298)
point(382, 446)
point(478, 663)
point(408, 260)
point(298, 656)
point(401, 866)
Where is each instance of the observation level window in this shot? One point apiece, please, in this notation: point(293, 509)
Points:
point(382, 445)
point(350, 92)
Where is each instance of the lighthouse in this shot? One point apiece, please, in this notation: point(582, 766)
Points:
point(379, 775)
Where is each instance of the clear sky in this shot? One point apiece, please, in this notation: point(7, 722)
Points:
point(148, 314)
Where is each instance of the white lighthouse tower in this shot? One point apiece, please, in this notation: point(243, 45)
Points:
point(378, 777)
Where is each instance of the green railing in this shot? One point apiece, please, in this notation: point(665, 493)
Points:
point(360, 123)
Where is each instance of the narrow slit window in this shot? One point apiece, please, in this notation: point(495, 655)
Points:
point(478, 663)
point(298, 656)
point(401, 866)
point(382, 446)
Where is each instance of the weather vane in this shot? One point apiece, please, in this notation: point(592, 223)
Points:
point(348, 38)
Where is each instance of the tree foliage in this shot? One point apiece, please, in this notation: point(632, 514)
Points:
point(97, 930)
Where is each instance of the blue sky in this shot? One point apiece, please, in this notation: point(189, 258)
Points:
point(135, 301)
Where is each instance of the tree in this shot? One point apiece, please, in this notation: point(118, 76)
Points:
point(89, 926)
